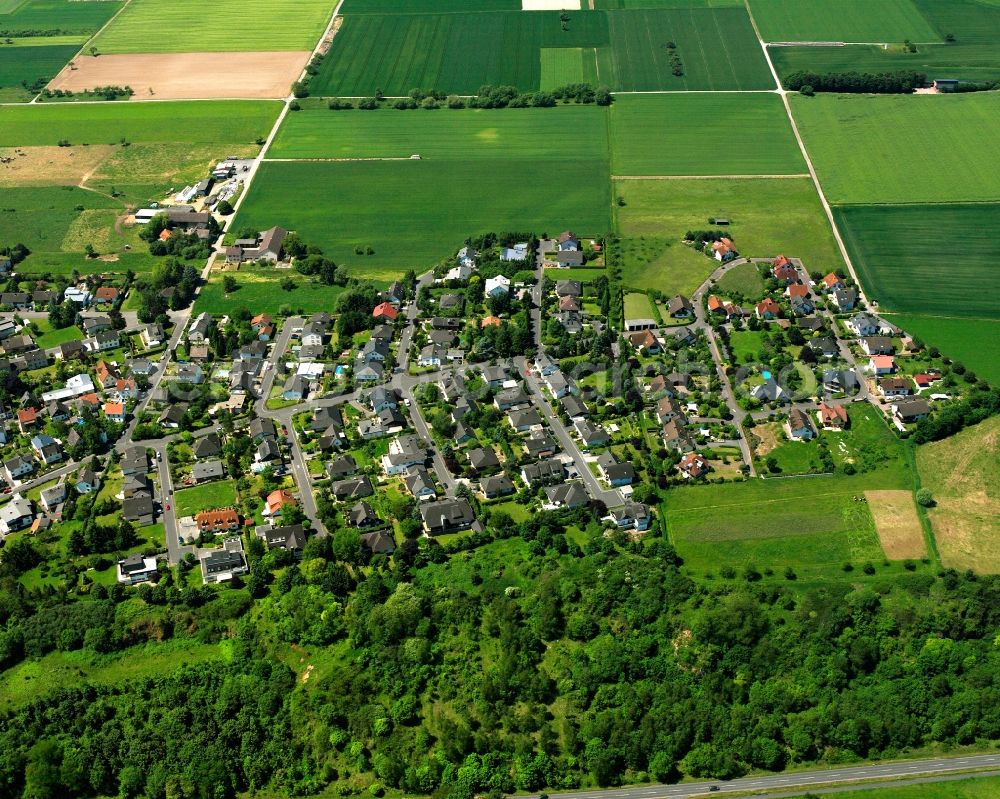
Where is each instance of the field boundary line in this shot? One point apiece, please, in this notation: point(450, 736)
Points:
point(336, 160)
point(799, 176)
point(809, 164)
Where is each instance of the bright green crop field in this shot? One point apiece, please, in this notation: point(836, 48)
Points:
point(620, 4)
point(972, 56)
point(414, 213)
point(184, 26)
point(974, 342)
point(460, 52)
point(903, 148)
point(19, 63)
point(216, 122)
point(684, 134)
point(717, 47)
point(426, 6)
point(968, 788)
point(768, 216)
point(63, 16)
point(563, 133)
point(907, 258)
point(841, 21)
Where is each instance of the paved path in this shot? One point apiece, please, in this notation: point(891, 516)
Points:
point(794, 783)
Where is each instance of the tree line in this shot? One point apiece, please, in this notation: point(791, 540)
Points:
point(899, 82)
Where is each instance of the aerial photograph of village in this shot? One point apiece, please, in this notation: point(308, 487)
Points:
point(482, 399)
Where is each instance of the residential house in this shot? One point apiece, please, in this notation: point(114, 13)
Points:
point(559, 385)
point(115, 412)
point(833, 416)
point(87, 481)
point(277, 500)
point(864, 324)
point(882, 364)
point(370, 372)
point(432, 356)
point(769, 391)
point(844, 299)
point(840, 381)
point(568, 303)
point(680, 307)
point(635, 515)
point(668, 408)
point(569, 288)
point(296, 389)
point(378, 542)
point(385, 312)
point(69, 350)
point(17, 467)
point(47, 449)
point(209, 446)
point(173, 415)
point(543, 472)
point(136, 569)
point(799, 427)
point(911, 410)
point(260, 428)
point(833, 282)
point(447, 517)
point(824, 347)
point(291, 537)
point(567, 241)
point(221, 520)
point(498, 286)
point(545, 365)
point(27, 418)
point(878, 345)
point(267, 454)
point(17, 300)
point(200, 328)
point(724, 249)
point(152, 335)
point(98, 323)
point(540, 445)
point(134, 461)
point(768, 309)
point(483, 459)
point(574, 407)
point(801, 306)
point(404, 452)
point(352, 488)
point(591, 435)
point(314, 333)
point(496, 486)
point(15, 515)
point(895, 387)
point(203, 471)
point(341, 467)
point(511, 398)
point(519, 252)
point(567, 495)
point(566, 260)
point(362, 515)
point(221, 565)
point(460, 273)
point(419, 483)
point(675, 437)
point(693, 466)
point(645, 342)
point(53, 496)
point(467, 257)
point(138, 510)
point(617, 474)
point(136, 485)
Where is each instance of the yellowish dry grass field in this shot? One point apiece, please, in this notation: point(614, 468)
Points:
point(897, 524)
point(963, 472)
point(47, 166)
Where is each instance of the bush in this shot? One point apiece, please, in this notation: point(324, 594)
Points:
point(925, 498)
point(807, 90)
point(300, 89)
point(224, 207)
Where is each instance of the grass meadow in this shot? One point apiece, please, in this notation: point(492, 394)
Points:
point(414, 213)
point(933, 259)
point(812, 524)
point(974, 342)
point(841, 21)
point(459, 52)
point(963, 474)
point(21, 63)
point(972, 56)
point(260, 291)
point(902, 148)
point(563, 133)
point(220, 494)
point(967, 788)
point(743, 280)
point(217, 122)
point(684, 134)
point(768, 216)
point(149, 26)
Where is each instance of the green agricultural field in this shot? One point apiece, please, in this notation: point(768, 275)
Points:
point(974, 342)
point(620, 4)
point(62, 17)
point(260, 291)
point(426, 6)
point(564, 65)
point(744, 281)
point(907, 259)
point(840, 21)
point(967, 788)
point(414, 213)
point(812, 524)
point(216, 122)
point(220, 494)
point(902, 148)
point(30, 64)
point(717, 46)
point(768, 216)
point(972, 56)
point(564, 133)
point(684, 134)
point(149, 26)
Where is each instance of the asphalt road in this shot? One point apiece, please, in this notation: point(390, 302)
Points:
point(794, 784)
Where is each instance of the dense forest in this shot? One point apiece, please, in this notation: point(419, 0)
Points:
point(539, 659)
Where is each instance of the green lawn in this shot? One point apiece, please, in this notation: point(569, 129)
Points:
point(974, 342)
point(260, 291)
point(767, 217)
point(841, 21)
point(219, 122)
point(51, 337)
point(19, 63)
point(901, 251)
point(637, 306)
point(968, 788)
point(414, 213)
point(864, 147)
point(812, 524)
point(564, 133)
point(220, 494)
point(745, 345)
point(459, 52)
point(685, 134)
point(149, 26)
point(743, 280)
point(972, 56)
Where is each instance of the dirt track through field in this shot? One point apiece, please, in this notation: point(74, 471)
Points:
point(187, 76)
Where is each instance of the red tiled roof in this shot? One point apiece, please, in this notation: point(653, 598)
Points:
point(385, 309)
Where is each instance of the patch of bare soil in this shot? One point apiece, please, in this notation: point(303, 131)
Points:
point(38, 166)
point(188, 76)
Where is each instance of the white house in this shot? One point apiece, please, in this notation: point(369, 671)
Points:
point(497, 286)
point(16, 515)
point(79, 295)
